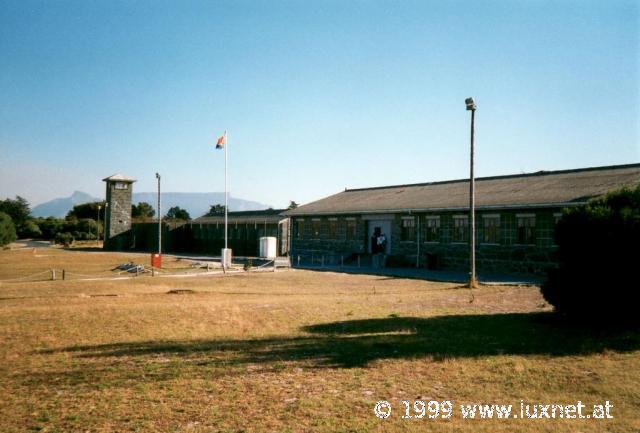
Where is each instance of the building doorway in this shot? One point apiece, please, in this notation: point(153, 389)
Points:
point(377, 227)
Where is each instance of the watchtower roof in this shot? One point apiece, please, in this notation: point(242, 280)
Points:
point(119, 178)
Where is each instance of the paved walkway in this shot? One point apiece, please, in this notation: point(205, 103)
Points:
point(424, 274)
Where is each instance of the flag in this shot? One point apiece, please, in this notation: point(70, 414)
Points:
point(221, 141)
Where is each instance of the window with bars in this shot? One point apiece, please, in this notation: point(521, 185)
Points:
point(333, 229)
point(408, 232)
point(432, 228)
point(315, 229)
point(491, 225)
point(460, 229)
point(350, 230)
point(299, 229)
point(526, 229)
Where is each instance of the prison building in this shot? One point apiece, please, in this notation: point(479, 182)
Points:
point(427, 224)
point(206, 234)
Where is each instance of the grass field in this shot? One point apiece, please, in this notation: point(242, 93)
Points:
point(291, 351)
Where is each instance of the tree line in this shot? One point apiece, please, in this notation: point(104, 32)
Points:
point(83, 222)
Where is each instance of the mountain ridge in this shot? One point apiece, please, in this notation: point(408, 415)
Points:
point(196, 203)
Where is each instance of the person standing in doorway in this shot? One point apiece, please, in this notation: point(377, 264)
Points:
point(382, 249)
point(374, 246)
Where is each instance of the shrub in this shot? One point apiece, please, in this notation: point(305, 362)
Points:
point(598, 260)
point(30, 229)
point(7, 230)
point(50, 226)
point(248, 264)
point(64, 238)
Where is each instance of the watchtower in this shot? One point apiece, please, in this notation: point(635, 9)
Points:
point(118, 210)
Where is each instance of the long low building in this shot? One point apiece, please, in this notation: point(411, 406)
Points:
point(427, 224)
point(205, 235)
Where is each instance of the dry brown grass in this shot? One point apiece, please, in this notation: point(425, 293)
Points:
point(288, 351)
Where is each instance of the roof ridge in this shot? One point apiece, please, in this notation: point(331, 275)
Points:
point(507, 176)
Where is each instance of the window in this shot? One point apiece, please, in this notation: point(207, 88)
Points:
point(333, 228)
point(557, 217)
point(526, 229)
point(491, 229)
point(460, 228)
point(315, 229)
point(299, 229)
point(408, 232)
point(121, 185)
point(351, 230)
point(433, 229)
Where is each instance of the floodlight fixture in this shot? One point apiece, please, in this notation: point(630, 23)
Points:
point(471, 105)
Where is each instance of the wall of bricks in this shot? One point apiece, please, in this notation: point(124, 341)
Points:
point(506, 255)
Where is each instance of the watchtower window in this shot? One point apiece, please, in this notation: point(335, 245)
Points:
point(121, 185)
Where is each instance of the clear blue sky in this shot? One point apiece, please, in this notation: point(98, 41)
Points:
point(316, 95)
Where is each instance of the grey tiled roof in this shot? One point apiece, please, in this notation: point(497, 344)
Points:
point(244, 217)
point(544, 188)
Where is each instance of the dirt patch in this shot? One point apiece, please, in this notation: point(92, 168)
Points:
point(180, 291)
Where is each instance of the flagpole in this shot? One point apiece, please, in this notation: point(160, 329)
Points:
point(226, 191)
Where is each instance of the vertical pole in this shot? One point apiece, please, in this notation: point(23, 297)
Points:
point(472, 207)
point(418, 242)
point(159, 218)
point(98, 225)
point(226, 191)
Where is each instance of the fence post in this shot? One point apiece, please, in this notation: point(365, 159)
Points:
point(63, 274)
point(322, 262)
point(298, 260)
point(53, 274)
point(358, 260)
point(341, 261)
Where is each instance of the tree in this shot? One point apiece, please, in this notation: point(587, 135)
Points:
point(64, 238)
point(598, 260)
point(86, 210)
point(215, 209)
point(178, 213)
point(142, 210)
point(30, 229)
point(7, 229)
point(292, 205)
point(50, 226)
point(18, 210)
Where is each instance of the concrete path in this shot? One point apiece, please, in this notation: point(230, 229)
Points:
point(29, 243)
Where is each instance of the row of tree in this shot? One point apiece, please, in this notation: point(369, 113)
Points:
point(83, 222)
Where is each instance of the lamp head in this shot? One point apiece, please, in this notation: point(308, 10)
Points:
point(157, 175)
point(471, 105)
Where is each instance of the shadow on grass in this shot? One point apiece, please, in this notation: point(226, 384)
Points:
point(345, 344)
point(356, 343)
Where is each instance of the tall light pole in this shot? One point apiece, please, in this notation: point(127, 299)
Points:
point(471, 106)
point(159, 218)
point(98, 225)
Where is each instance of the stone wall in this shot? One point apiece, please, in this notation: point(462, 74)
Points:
point(118, 215)
point(336, 250)
point(505, 255)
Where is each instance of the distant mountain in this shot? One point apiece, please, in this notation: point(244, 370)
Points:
point(60, 206)
point(196, 203)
